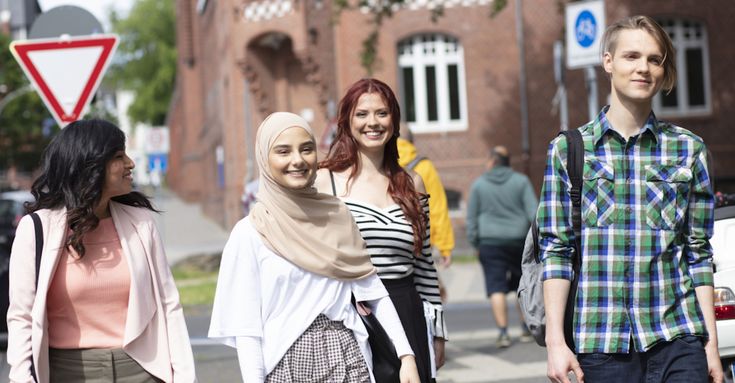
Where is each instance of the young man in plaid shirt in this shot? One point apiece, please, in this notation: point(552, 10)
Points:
point(644, 305)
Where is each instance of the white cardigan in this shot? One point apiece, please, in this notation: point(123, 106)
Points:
point(155, 331)
point(263, 296)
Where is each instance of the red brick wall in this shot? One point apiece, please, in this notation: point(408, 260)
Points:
point(208, 109)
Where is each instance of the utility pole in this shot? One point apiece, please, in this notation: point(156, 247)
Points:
point(525, 144)
point(560, 99)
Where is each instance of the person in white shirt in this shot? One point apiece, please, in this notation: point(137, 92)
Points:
point(289, 271)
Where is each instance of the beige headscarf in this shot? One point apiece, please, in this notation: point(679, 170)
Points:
point(314, 231)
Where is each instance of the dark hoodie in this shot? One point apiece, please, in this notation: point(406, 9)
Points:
point(501, 208)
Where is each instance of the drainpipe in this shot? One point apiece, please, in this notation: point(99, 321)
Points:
point(525, 144)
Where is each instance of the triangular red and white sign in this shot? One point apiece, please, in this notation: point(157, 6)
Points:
point(65, 71)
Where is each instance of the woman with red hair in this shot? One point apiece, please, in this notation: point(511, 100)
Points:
point(390, 208)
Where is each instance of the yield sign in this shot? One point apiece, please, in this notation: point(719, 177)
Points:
point(65, 71)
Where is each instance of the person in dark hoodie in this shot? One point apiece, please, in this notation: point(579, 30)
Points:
point(501, 208)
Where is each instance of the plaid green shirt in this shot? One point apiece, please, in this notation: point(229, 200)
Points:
point(647, 216)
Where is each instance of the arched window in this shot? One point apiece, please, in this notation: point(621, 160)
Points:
point(432, 83)
point(691, 95)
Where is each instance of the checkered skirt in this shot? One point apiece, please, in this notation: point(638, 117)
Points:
point(326, 352)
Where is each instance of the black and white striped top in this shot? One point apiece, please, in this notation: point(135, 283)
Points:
point(389, 238)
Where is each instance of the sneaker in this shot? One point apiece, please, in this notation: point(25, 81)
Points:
point(503, 341)
point(526, 337)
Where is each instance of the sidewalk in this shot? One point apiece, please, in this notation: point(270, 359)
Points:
point(185, 230)
point(463, 282)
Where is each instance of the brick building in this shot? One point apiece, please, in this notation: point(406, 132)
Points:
point(457, 78)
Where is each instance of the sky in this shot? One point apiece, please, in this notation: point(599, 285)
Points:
point(99, 8)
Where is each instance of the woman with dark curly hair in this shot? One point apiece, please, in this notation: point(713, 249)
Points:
point(102, 306)
point(390, 207)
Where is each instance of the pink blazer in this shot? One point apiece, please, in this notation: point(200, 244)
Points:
point(155, 331)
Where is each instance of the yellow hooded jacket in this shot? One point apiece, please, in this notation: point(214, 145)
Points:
point(442, 235)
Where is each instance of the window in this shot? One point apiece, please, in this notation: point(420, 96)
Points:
point(432, 83)
point(691, 95)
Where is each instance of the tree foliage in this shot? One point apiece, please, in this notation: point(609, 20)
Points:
point(146, 62)
point(25, 124)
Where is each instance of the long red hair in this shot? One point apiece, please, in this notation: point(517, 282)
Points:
point(343, 154)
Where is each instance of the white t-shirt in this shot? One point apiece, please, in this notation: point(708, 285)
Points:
point(262, 295)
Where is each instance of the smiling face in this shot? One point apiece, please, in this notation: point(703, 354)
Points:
point(635, 66)
point(371, 123)
point(118, 175)
point(292, 159)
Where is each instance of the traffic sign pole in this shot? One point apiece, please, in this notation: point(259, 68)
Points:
point(585, 24)
point(593, 106)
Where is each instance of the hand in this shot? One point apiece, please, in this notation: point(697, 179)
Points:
point(714, 365)
point(561, 360)
point(445, 262)
point(409, 373)
point(439, 352)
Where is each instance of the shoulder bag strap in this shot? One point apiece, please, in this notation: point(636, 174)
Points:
point(39, 242)
point(38, 227)
point(331, 178)
point(414, 162)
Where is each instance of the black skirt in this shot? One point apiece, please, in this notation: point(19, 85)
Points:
point(410, 310)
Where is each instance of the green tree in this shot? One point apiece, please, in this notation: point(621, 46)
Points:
point(146, 62)
point(22, 116)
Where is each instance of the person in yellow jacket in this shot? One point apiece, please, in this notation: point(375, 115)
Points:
point(442, 235)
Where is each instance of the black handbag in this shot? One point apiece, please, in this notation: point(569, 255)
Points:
point(386, 365)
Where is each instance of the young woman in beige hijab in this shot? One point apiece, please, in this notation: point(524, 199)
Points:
point(289, 271)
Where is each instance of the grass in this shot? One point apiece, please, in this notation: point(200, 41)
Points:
point(196, 287)
point(464, 258)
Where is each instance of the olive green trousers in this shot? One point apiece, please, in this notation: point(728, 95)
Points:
point(96, 366)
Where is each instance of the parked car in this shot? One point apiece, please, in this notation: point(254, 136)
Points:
point(11, 211)
point(723, 244)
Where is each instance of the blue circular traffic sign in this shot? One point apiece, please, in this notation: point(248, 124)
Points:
point(585, 29)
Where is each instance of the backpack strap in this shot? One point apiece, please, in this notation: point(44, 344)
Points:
point(414, 162)
point(575, 167)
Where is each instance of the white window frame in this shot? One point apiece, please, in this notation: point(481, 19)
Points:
point(418, 60)
point(683, 109)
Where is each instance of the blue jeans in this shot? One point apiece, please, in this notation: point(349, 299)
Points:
point(681, 360)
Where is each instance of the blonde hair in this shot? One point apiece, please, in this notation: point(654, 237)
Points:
point(610, 40)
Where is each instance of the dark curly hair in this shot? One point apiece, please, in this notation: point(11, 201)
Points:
point(73, 175)
point(343, 153)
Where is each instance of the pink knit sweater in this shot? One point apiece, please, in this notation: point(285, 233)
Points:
point(87, 301)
